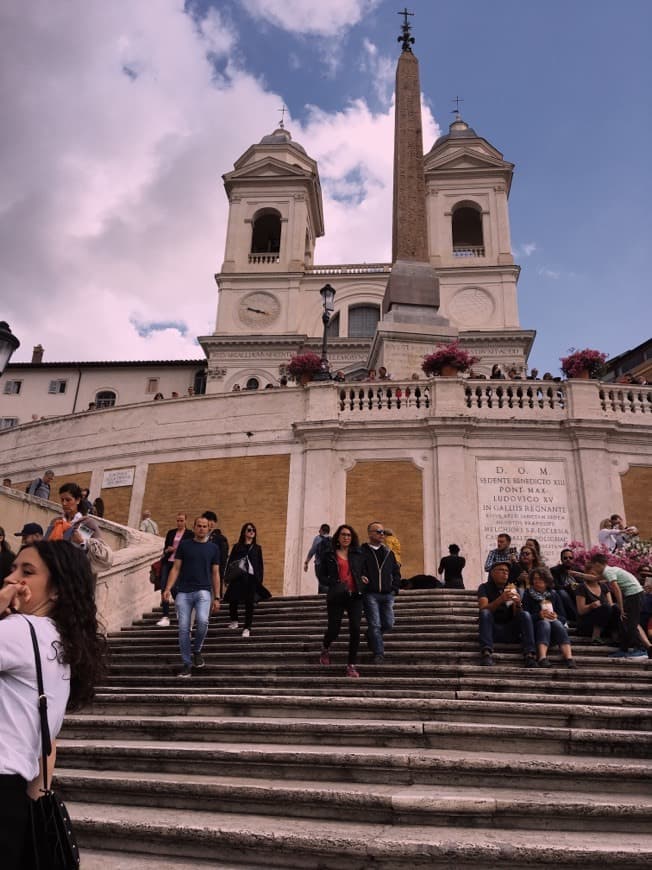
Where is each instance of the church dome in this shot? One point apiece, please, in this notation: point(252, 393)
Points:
point(281, 136)
point(459, 129)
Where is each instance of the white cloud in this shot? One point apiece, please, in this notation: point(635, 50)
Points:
point(524, 250)
point(548, 273)
point(382, 69)
point(318, 17)
point(112, 213)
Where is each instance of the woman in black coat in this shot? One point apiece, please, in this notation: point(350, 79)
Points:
point(341, 571)
point(244, 575)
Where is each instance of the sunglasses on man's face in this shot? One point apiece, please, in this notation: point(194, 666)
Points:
point(378, 531)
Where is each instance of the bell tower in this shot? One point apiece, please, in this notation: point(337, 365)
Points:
point(467, 186)
point(275, 207)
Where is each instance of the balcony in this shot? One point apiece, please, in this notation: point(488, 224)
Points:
point(468, 251)
point(263, 259)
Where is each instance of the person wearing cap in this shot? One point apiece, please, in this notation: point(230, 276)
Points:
point(30, 533)
point(40, 487)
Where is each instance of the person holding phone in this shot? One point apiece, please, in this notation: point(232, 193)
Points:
point(504, 552)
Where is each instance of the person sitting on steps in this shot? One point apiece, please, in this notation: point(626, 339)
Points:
point(502, 617)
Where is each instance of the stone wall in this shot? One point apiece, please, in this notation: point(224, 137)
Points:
point(637, 496)
point(390, 493)
point(239, 489)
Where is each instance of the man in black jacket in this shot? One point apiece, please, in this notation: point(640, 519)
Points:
point(216, 537)
point(381, 577)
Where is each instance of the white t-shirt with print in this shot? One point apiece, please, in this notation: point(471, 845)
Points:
point(20, 726)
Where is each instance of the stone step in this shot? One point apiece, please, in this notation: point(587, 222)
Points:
point(336, 845)
point(94, 859)
point(129, 696)
point(368, 713)
point(446, 805)
point(541, 737)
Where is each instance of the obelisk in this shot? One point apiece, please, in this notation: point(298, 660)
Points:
point(413, 289)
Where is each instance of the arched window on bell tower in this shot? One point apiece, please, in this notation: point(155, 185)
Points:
point(468, 239)
point(266, 232)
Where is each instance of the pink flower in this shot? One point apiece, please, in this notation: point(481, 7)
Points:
point(579, 360)
point(448, 355)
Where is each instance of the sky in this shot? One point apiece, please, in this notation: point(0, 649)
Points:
point(120, 118)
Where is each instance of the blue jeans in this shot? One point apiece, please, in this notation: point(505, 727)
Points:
point(518, 629)
point(185, 602)
point(379, 613)
point(550, 631)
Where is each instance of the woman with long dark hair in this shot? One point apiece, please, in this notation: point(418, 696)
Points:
point(6, 556)
point(342, 572)
point(247, 554)
point(50, 586)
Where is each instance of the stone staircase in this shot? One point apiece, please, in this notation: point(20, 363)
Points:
point(265, 759)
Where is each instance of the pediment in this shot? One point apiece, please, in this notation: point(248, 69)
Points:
point(465, 158)
point(267, 167)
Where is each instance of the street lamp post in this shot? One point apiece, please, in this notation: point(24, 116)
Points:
point(328, 297)
point(8, 344)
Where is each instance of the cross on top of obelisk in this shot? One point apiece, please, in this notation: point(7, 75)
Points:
point(405, 37)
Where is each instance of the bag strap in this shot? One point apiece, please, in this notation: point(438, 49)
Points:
point(46, 742)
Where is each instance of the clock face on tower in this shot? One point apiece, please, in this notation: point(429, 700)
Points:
point(259, 309)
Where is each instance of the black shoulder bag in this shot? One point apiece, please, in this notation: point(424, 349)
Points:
point(50, 842)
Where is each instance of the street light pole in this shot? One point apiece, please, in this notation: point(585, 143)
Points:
point(8, 344)
point(328, 297)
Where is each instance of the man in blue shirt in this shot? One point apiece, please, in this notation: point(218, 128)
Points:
point(196, 574)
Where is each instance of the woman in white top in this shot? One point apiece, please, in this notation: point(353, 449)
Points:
point(51, 586)
point(609, 537)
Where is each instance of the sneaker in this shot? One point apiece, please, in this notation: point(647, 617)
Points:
point(232, 625)
point(543, 663)
point(571, 664)
point(164, 621)
point(352, 671)
point(246, 633)
point(186, 671)
point(636, 654)
point(325, 657)
point(487, 659)
point(530, 662)
point(379, 660)
point(619, 654)
point(198, 660)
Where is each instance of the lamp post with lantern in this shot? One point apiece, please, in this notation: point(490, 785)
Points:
point(328, 297)
point(8, 344)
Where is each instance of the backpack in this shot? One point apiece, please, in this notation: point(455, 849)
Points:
point(321, 570)
point(39, 481)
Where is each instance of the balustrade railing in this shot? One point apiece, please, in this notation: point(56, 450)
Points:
point(350, 269)
point(468, 250)
point(388, 396)
point(263, 259)
point(632, 400)
point(529, 395)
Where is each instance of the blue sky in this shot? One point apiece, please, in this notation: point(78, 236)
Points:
point(117, 214)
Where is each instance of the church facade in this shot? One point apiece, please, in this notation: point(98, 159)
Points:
point(440, 461)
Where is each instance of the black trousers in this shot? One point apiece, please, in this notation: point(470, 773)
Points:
point(249, 603)
point(13, 819)
point(338, 602)
point(632, 605)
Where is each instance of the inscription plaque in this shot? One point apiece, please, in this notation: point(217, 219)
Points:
point(525, 498)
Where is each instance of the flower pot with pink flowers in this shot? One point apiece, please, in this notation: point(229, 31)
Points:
point(583, 364)
point(448, 360)
point(304, 366)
